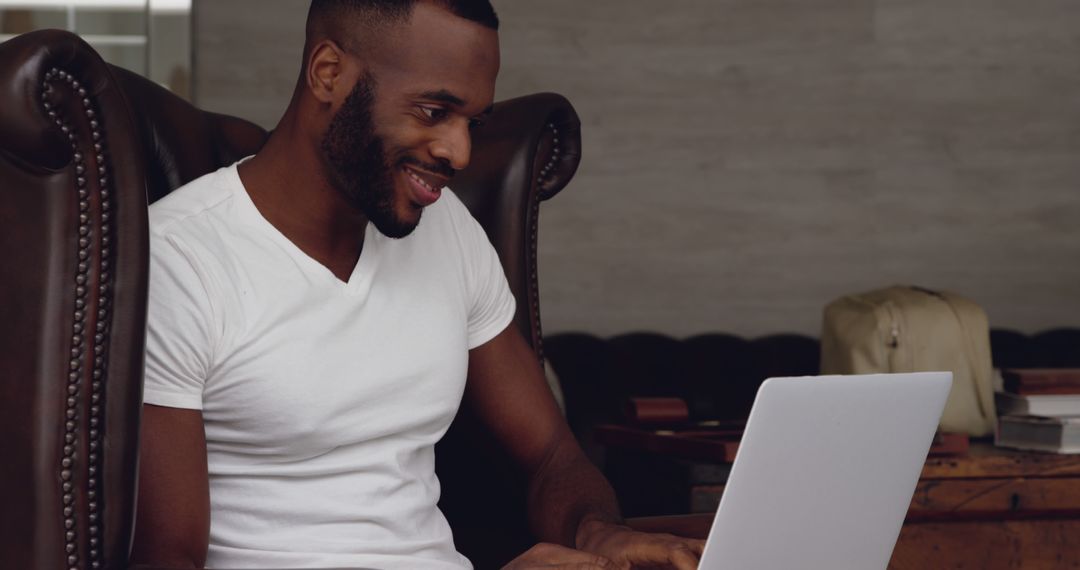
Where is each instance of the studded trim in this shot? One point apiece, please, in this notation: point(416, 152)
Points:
point(89, 311)
point(548, 170)
point(534, 219)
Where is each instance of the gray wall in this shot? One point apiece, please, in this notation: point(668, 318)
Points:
point(748, 160)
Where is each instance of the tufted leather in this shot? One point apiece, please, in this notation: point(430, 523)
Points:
point(71, 392)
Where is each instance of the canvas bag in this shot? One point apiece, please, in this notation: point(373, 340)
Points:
point(911, 329)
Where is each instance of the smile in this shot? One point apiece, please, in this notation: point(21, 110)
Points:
point(428, 181)
point(426, 188)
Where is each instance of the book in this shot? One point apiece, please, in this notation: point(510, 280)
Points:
point(1052, 405)
point(1037, 433)
point(1041, 381)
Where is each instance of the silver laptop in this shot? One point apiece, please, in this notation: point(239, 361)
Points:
point(825, 472)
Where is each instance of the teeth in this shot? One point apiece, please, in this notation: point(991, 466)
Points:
point(420, 180)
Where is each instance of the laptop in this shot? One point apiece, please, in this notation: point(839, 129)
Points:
point(825, 472)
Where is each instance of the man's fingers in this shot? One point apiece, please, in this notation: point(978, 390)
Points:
point(681, 553)
point(683, 557)
point(554, 557)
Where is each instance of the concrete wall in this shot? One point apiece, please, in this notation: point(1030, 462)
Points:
point(746, 161)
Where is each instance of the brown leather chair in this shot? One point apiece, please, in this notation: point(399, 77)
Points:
point(83, 146)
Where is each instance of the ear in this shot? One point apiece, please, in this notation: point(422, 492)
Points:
point(325, 70)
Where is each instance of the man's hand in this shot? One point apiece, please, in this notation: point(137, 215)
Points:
point(628, 548)
point(545, 555)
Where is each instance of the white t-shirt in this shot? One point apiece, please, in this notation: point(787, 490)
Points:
point(322, 399)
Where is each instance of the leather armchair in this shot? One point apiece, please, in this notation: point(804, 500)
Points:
point(83, 147)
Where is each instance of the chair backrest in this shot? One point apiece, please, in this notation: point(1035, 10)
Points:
point(83, 146)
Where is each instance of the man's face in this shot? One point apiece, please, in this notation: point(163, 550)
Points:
point(403, 130)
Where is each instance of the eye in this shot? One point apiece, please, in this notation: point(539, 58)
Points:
point(475, 123)
point(433, 114)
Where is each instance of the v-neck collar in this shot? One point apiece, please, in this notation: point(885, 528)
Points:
point(360, 279)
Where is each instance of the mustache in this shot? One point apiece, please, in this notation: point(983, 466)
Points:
point(440, 168)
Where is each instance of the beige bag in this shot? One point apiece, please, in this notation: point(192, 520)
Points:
point(910, 329)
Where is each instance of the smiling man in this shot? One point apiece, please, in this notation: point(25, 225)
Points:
point(318, 311)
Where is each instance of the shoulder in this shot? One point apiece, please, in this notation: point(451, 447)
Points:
point(190, 206)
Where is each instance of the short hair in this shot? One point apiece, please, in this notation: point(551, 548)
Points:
point(327, 18)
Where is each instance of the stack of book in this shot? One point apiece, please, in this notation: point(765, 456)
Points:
point(1039, 410)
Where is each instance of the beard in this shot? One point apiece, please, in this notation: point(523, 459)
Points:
point(359, 167)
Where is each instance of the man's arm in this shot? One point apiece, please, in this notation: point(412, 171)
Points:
point(569, 501)
point(172, 520)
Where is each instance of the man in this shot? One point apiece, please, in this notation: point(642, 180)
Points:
point(310, 337)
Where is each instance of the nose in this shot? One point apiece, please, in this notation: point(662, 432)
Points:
point(453, 145)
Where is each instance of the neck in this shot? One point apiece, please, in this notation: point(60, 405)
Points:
point(288, 184)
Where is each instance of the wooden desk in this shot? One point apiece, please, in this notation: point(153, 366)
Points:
point(993, 508)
